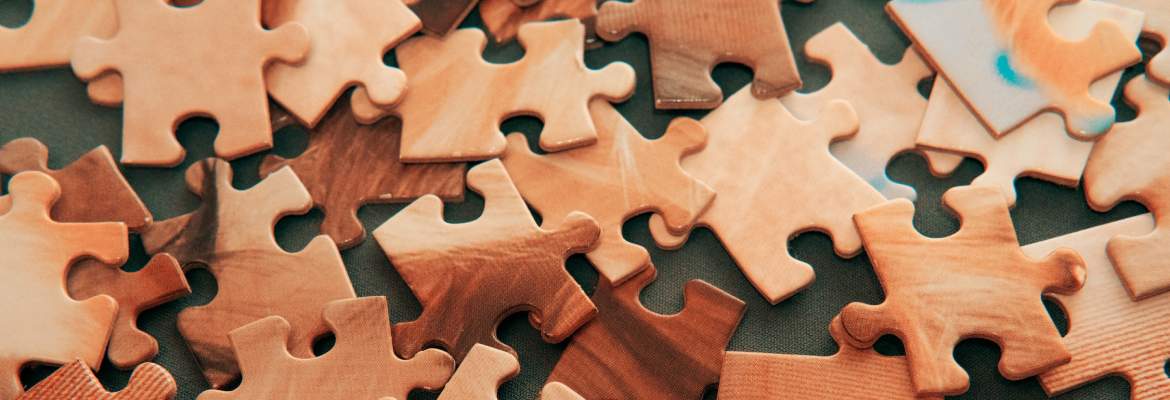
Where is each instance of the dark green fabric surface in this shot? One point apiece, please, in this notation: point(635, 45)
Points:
point(52, 106)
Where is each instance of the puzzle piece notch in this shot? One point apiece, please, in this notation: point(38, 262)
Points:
point(136, 53)
point(760, 204)
point(47, 39)
point(480, 375)
point(75, 381)
point(924, 279)
point(624, 175)
point(503, 18)
point(688, 40)
point(485, 256)
point(629, 352)
point(232, 237)
point(1157, 28)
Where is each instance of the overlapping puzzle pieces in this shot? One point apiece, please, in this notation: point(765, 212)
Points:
point(47, 39)
point(440, 17)
point(503, 18)
point(1157, 27)
point(480, 375)
point(75, 381)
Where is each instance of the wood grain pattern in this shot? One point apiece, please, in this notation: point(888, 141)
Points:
point(761, 160)
point(468, 277)
point(230, 235)
point(629, 352)
point(440, 17)
point(54, 27)
point(688, 39)
point(974, 283)
point(480, 375)
point(503, 18)
point(1109, 334)
point(361, 365)
point(558, 391)
point(448, 119)
point(1157, 28)
point(886, 99)
point(45, 326)
point(621, 176)
point(75, 381)
point(167, 81)
point(348, 165)
point(1130, 163)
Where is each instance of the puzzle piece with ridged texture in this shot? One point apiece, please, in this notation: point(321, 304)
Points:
point(885, 97)
point(360, 365)
point(621, 176)
point(468, 277)
point(480, 375)
point(230, 235)
point(459, 120)
point(688, 39)
point(75, 381)
point(1157, 28)
point(167, 81)
point(503, 18)
point(976, 283)
point(44, 325)
point(629, 352)
point(760, 159)
point(1012, 65)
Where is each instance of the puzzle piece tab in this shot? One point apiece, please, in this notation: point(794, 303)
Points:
point(1157, 28)
point(75, 381)
point(480, 375)
point(503, 18)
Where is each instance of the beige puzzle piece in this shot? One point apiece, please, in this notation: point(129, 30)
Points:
point(47, 39)
point(558, 391)
point(480, 375)
point(503, 18)
point(760, 159)
point(1157, 28)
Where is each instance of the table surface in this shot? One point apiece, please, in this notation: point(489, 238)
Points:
point(51, 105)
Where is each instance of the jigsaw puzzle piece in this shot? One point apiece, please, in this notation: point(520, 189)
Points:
point(54, 27)
point(440, 17)
point(480, 375)
point(1157, 28)
point(75, 381)
point(558, 391)
point(503, 18)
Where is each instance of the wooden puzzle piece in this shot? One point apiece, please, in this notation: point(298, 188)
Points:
point(1130, 163)
point(974, 283)
point(361, 365)
point(885, 97)
point(459, 120)
point(348, 165)
point(619, 177)
point(167, 81)
point(76, 382)
point(45, 325)
point(503, 18)
point(1109, 334)
point(480, 375)
point(230, 235)
point(558, 391)
point(760, 159)
point(1157, 28)
point(347, 39)
point(490, 268)
point(688, 39)
point(850, 374)
point(1039, 148)
point(440, 17)
point(1012, 66)
point(47, 39)
point(629, 352)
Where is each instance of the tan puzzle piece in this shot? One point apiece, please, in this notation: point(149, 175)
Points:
point(503, 18)
point(886, 99)
point(1130, 163)
point(760, 159)
point(688, 39)
point(45, 326)
point(361, 365)
point(347, 39)
point(447, 119)
point(440, 17)
point(230, 235)
point(348, 165)
point(76, 382)
point(47, 39)
point(558, 391)
point(161, 53)
point(621, 176)
point(1110, 334)
point(976, 283)
point(480, 375)
point(1157, 28)
point(495, 266)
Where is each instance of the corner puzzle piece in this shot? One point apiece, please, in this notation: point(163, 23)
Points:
point(1130, 163)
point(230, 235)
point(361, 365)
point(1109, 334)
point(974, 283)
point(480, 375)
point(850, 374)
point(445, 120)
point(490, 268)
point(629, 352)
point(44, 324)
point(347, 39)
point(885, 97)
point(47, 39)
point(160, 281)
point(688, 39)
point(75, 381)
point(1157, 28)
point(167, 81)
point(1039, 148)
point(558, 391)
point(440, 17)
point(621, 176)
point(503, 18)
point(1012, 66)
point(775, 179)
point(348, 165)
